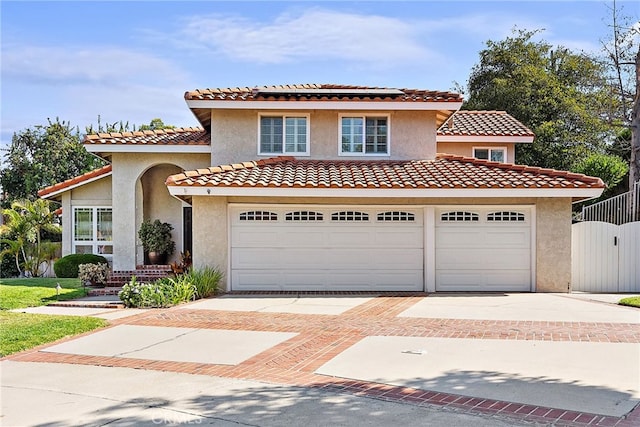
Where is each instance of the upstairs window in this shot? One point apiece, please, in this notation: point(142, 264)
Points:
point(284, 134)
point(368, 135)
point(493, 154)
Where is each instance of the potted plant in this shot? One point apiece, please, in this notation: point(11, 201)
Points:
point(156, 240)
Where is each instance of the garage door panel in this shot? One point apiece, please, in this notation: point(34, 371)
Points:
point(399, 238)
point(349, 238)
point(465, 238)
point(481, 259)
point(253, 237)
point(514, 280)
point(507, 238)
point(326, 280)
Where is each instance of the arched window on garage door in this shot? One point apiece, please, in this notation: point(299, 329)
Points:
point(459, 216)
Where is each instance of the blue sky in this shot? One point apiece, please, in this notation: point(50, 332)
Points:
point(133, 61)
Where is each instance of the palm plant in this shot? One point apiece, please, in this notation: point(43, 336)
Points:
point(25, 222)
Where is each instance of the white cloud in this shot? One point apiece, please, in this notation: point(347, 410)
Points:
point(315, 34)
point(73, 65)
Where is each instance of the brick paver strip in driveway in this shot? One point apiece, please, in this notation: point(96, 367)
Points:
point(320, 338)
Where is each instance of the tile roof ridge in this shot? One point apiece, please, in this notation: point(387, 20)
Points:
point(149, 132)
point(481, 112)
point(595, 181)
point(75, 180)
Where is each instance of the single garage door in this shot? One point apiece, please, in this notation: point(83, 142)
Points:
point(326, 248)
point(483, 249)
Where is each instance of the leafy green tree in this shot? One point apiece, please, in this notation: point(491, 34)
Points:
point(41, 156)
point(560, 95)
point(26, 221)
point(155, 124)
point(611, 169)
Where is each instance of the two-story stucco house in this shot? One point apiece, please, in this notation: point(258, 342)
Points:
point(333, 187)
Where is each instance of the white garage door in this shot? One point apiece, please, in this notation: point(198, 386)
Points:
point(483, 249)
point(326, 248)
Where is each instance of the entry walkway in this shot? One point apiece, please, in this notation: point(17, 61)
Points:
point(411, 349)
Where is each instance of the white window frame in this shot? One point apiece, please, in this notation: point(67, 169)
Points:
point(94, 242)
point(364, 116)
point(284, 117)
point(490, 149)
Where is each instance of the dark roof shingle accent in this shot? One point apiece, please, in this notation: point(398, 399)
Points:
point(483, 123)
point(446, 171)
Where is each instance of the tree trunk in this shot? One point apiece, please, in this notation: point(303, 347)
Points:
point(634, 164)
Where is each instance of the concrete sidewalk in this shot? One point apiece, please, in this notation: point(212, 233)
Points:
point(72, 395)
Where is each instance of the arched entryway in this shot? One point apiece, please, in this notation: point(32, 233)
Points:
point(153, 201)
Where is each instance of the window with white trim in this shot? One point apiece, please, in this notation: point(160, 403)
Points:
point(459, 216)
point(279, 134)
point(368, 135)
point(93, 231)
point(490, 153)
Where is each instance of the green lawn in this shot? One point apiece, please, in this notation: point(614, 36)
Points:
point(21, 331)
point(631, 301)
point(21, 293)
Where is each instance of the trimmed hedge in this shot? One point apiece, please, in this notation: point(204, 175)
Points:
point(67, 266)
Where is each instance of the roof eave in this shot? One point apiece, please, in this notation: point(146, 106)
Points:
point(576, 194)
point(54, 194)
point(101, 149)
point(503, 139)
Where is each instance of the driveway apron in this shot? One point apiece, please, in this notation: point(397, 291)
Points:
point(547, 358)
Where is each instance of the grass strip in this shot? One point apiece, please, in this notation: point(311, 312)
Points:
point(21, 331)
point(21, 293)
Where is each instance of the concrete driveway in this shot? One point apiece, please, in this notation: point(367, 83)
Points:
point(506, 358)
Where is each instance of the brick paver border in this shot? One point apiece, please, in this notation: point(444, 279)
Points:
point(322, 337)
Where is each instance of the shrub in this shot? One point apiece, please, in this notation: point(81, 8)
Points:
point(206, 280)
point(67, 266)
point(161, 293)
point(95, 274)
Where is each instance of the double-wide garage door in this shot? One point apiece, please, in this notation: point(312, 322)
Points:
point(326, 248)
point(285, 247)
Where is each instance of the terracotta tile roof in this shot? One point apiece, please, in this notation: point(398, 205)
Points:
point(483, 123)
point(176, 136)
point(89, 176)
point(445, 172)
point(321, 92)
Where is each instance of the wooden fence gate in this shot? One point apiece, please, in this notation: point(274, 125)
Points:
point(605, 257)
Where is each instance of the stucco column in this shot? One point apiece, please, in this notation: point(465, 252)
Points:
point(210, 235)
point(553, 230)
point(124, 219)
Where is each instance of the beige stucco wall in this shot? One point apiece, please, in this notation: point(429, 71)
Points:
point(553, 229)
point(553, 234)
point(128, 200)
point(466, 149)
point(96, 193)
point(210, 235)
point(234, 135)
